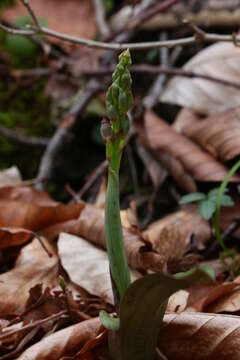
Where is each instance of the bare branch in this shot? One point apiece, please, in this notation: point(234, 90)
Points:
point(23, 139)
point(31, 13)
point(172, 71)
point(103, 27)
point(207, 38)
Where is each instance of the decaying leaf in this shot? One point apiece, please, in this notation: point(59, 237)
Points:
point(203, 297)
point(219, 135)
point(142, 309)
point(207, 97)
point(30, 209)
point(183, 159)
point(90, 226)
point(64, 342)
point(87, 265)
point(14, 237)
point(32, 267)
point(10, 177)
point(200, 336)
point(172, 235)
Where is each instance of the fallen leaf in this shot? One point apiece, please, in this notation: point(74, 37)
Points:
point(69, 17)
point(87, 265)
point(142, 309)
point(10, 177)
point(184, 336)
point(178, 301)
point(64, 342)
point(184, 160)
point(30, 209)
point(219, 135)
point(90, 226)
point(200, 336)
point(230, 303)
point(219, 60)
point(171, 236)
point(14, 237)
point(32, 267)
point(203, 297)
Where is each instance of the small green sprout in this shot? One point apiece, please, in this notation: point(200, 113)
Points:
point(207, 203)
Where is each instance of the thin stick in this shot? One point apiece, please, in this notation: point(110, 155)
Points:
point(172, 71)
point(207, 38)
point(103, 27)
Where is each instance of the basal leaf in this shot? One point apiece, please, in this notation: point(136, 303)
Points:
point(207, 208)
point(142, 309)
point(186, 199)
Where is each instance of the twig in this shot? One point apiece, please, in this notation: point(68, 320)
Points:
point(207, 38)
point(172, 71)
point(153, 95)
point(152, 11)
point(23, 139)
point(92, 178)
point(33, 324)
point(63, 134)
point(32, 14)
point(103, 27)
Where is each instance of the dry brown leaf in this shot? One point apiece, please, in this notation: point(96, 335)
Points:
point(90, 226)
point(219, 135)
point(71, 17)
point(184, 336)
point(219, 60)
point(229, 303)
point(172, 235)
point(10, 177)
point(178, 301)
point(64, 342)
point(33, 210)
point(183, 159)
point(32, 267)
point(203, 297)
point(14, 237)
point(200, 336)
point(87, 265)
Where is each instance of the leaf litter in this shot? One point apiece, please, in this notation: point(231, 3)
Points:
point(50, 300)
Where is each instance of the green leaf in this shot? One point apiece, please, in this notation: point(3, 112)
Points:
point(207, 208)
point(186, 199)
point(212, 194)
point(227, 200)
point(108, 321)
point(142, 309)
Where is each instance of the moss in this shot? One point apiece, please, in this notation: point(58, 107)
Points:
point(28, 113)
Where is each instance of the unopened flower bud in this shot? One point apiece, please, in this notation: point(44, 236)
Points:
point(106, 129)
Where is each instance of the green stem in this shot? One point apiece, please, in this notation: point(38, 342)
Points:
point(113, 226)
point(221, 190)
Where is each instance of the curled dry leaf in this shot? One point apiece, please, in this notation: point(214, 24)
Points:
point(90, 226)
point(70, 17)
point(200, 336)
point(33, 210)
point(14, 237)
point(183, 159)
point(171, 236)
point(184, 336)
point(64, 342)
point(229, 303)
point(87, 265)
point(219, 60)
point(219, 135)
point(32, 267)
point(203, 297)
